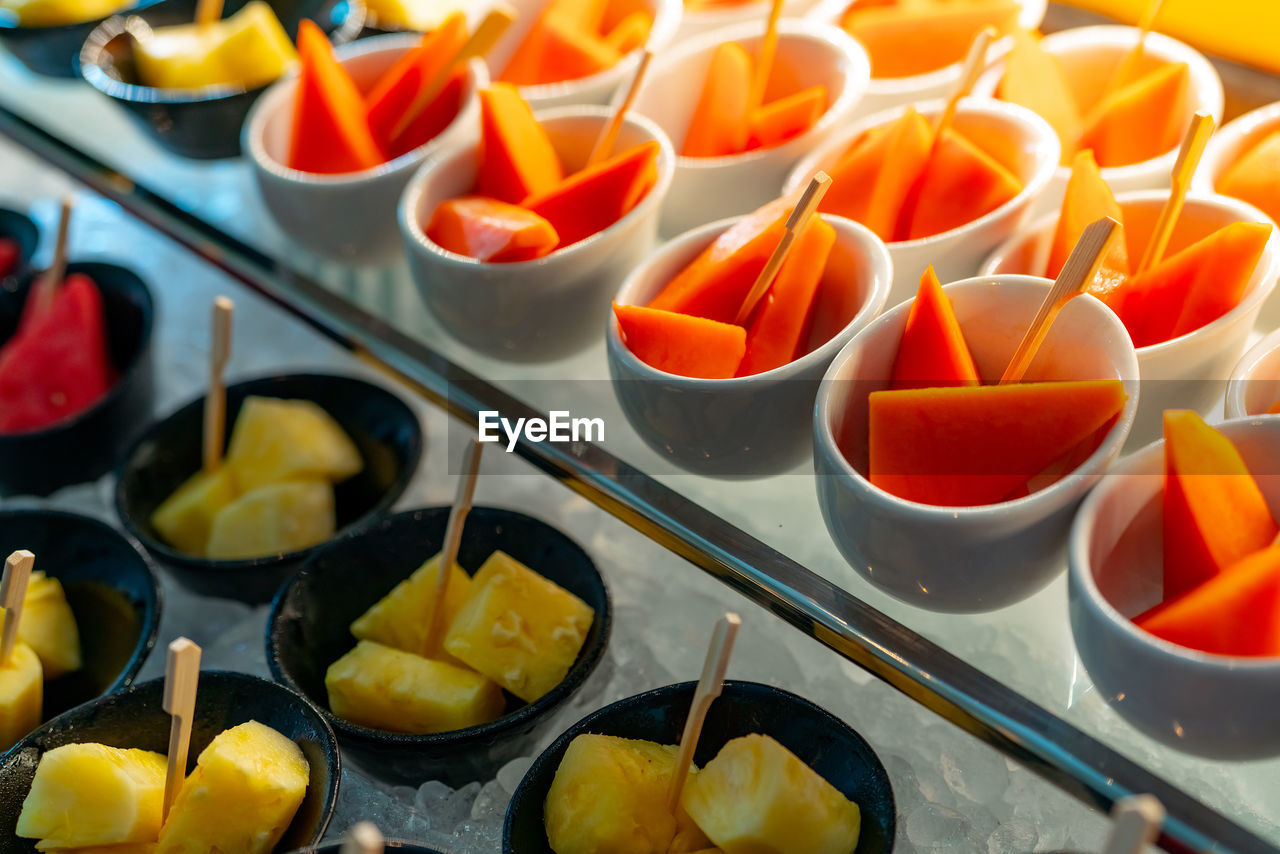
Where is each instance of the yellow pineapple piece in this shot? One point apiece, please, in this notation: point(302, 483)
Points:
point(92, 794)
point(400, 619)
point(49, 627)
point(246, 49)
point(21, 695)
point(245, 789)
point(521, 630)
point(384, 688)
point(757, 797)
point(276, 440)
point(610, 795)
point(57, 13)
point(421, 15)
point(186, 516)
point(273, 519)
point(123, 848)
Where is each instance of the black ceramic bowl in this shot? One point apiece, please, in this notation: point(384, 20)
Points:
point(21, 228)
point(825, 742)
point(86, 446)
point(308, 630)
point(53, 51)
point(135, 718)
point(111, 589)
point(382, 426)
point(198, 123)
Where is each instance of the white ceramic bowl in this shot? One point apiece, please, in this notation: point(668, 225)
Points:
point(1213, 705)
point(696, 22)
point(712, 188)
point(1016, 136)
point(1089, 55)
point(1255, 381)
point(745, 426)
point(887, 92)
point(351, 216)
point(593, 89)
point(551, 306)
point(964, 559)
point(1188, 372)
point(1233, 140)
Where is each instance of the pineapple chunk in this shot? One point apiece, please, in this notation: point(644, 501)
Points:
point(610, 795)
point(49, 627)
point(421, 15)
point(276, 440)
point(91, 794)
point(21, 695)
point(757, 797)
point(400, 619)
point(246, 49)
point(245, 789)
point(384, 688)
point(519, 629)
point(273, 519)
point(123, 848)
point(57, 13)
point(186, 516)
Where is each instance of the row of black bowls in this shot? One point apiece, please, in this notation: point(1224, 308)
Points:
point(198, 123)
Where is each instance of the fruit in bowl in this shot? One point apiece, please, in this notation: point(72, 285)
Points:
point(57, 13)
point(572, 39)
point(905, 38)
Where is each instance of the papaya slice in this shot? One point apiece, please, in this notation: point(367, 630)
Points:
point(490, 230)
point(589, 14)
point(908, 39)
point(719, 124)
point(1255, 177)
point(715, 283)
point(778, 324)
point(1088, 200)
point(681, 344)
point(778, 121)
point(1034, 79)
point(871, 182)
point(597, 197)
point(1214, 513)
point(393, 93)
point(960, 184)
point(1193, 287)
point(969, 446)
point(933, 352)
point(517, 159)
point(631, 33)
point(1140, 120)
point(330, 132)
point(558, 48)
point(1237, 612)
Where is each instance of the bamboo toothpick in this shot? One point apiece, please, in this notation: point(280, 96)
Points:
point(453, 538)
point(47, 287)
point(13, 590)
point(484, 38)
point(181, 676)
point(215, 402)
point(1135, 821)
point(805, 208)
point(974, 62)
point(605, 142)
point(1129, 63)
point(363, 838)
point(710, 684)
point(1082, 265)
point(1193, 146)
point(208, 12)
point(764, 62)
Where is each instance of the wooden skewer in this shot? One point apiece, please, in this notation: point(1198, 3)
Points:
point(974, 63)
point(1193, 145)
point(13, 590)
point(805, 208)
point(363, 838)
point(1125, 67)
point(710, 684)
point(215, 402)
point(453, 539)
point(764, 62)
point(208, 12)
point(181, 676)
point(484, 37)
point(605, 142)
point(1082, 265)
point(1135, 822)
point(47, 288)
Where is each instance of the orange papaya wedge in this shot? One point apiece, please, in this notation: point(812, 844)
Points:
point(597, 197)
point(719, 123)
point(681, 344)
point(915, 38)
point(1034, 79)
point(1142, 119)
point(330, 132)
point(933, 352)
point(1255, 177)
point(491, 230)
point(960, 184)
point(399, 86)
point(1088, 200)
point(517, 159)
point(778, 121)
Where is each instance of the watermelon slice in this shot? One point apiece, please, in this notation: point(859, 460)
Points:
point(59, 366)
